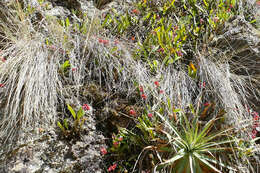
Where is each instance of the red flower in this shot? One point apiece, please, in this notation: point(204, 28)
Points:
point(203, 84)
point(256, 118)
point(253, 136)
point(2, 85)
point(86, 107)
point(150, 115)
point(74, 69)
point(143, 96)
point(141, 89)
point(103, 151)
point(115, 143)
point(112, 167)
point(206, 104)
point(133, 38)
point(105, 41)
point(156, 83)
point(100, 40)
point(228, 10)
point(132, 112)
point(161, 91)
point(120, 138)
point(135, 11)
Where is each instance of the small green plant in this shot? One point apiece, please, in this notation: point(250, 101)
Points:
point(194, 147)
point(64, 67)
point(71, 129)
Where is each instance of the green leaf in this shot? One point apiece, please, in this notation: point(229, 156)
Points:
point(71, 111)
point(80, 113)
point(65, 122)
point(178, 156)
point(61, 127)
point(67, 22)
point(65, 65)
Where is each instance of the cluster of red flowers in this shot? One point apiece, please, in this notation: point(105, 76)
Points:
point(132, 112)
point(141, 89)
point(230, 7)
point(255, 124)
point(112, 167)
point(116, 141)
point(135, 11)
point(103, 151)
point(86, 107)
point(202, 85)
point(105, 42)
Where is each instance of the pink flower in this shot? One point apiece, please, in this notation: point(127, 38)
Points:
point(253, 136)
point(103, 151)
point(179, 53)
point(161, 91)
point(141, 89)
point(143, 96)
point(2, 85)
point(86, 107)
point(112, 167)
point(2, 59)
point(255, 113)
point(254, 132)
point(201, 21)
point(74, 69)
point(150, 115)
point(216, 19)
point(255, 125)
point(258, 3)
point(156, 83)
point(160, 50)
point(132, 112)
